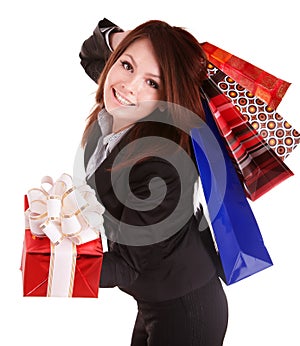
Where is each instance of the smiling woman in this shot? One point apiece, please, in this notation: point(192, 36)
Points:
point(180, 58)
point(137, 144)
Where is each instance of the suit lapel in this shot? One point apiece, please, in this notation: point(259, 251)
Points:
point(101, 180)
point(93, 137)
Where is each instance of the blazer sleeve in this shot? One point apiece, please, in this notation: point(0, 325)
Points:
point(116, 271)
point(96, 49)
point(123, 264)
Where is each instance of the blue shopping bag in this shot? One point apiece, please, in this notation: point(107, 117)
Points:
point(239, 241)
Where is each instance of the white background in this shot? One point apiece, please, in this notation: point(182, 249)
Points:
point(45, 98)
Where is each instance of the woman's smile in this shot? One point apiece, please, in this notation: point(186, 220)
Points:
point(121, 99)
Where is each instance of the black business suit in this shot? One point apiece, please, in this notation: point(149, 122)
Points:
point(174, 264)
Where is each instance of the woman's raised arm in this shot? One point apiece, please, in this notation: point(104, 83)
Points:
point(97, 48)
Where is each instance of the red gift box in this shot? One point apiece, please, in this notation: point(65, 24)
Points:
point(36, 263)
point(40, 262)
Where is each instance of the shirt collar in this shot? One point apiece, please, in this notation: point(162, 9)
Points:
point(105, 122)
point(109, 138)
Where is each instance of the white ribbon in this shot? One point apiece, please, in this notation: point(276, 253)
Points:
point(68, 216)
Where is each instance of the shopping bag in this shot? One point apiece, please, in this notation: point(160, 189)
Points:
point(257, 165)
point(238, 238)
point(260, 83)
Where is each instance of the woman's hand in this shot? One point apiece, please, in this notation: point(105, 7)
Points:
point(117, 37)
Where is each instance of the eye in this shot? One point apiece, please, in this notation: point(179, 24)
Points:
point(152, 84)
point(127, 66)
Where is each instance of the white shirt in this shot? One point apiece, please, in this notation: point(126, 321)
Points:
point(107, 141)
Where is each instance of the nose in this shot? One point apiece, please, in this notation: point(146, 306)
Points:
point(132, 85)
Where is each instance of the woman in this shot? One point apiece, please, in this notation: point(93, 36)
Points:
point(139, 160)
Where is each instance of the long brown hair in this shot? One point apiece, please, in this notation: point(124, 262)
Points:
point(183, 68)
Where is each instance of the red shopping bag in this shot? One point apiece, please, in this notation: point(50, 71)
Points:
point(260, 83)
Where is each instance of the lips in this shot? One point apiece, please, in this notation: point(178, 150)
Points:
point(121, 99)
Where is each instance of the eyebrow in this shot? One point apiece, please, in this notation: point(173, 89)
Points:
point(134, 62)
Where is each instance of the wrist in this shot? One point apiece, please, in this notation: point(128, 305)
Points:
point(115, 38)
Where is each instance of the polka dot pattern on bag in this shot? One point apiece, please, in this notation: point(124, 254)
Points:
point(276, 131)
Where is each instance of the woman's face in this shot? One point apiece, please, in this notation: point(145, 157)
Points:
point(132, 87)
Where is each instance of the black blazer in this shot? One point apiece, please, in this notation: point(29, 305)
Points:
point(148, 258)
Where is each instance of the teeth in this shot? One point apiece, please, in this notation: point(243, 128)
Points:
point(122, 100)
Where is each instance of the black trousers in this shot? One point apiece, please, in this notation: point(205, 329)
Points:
point(196, 319)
